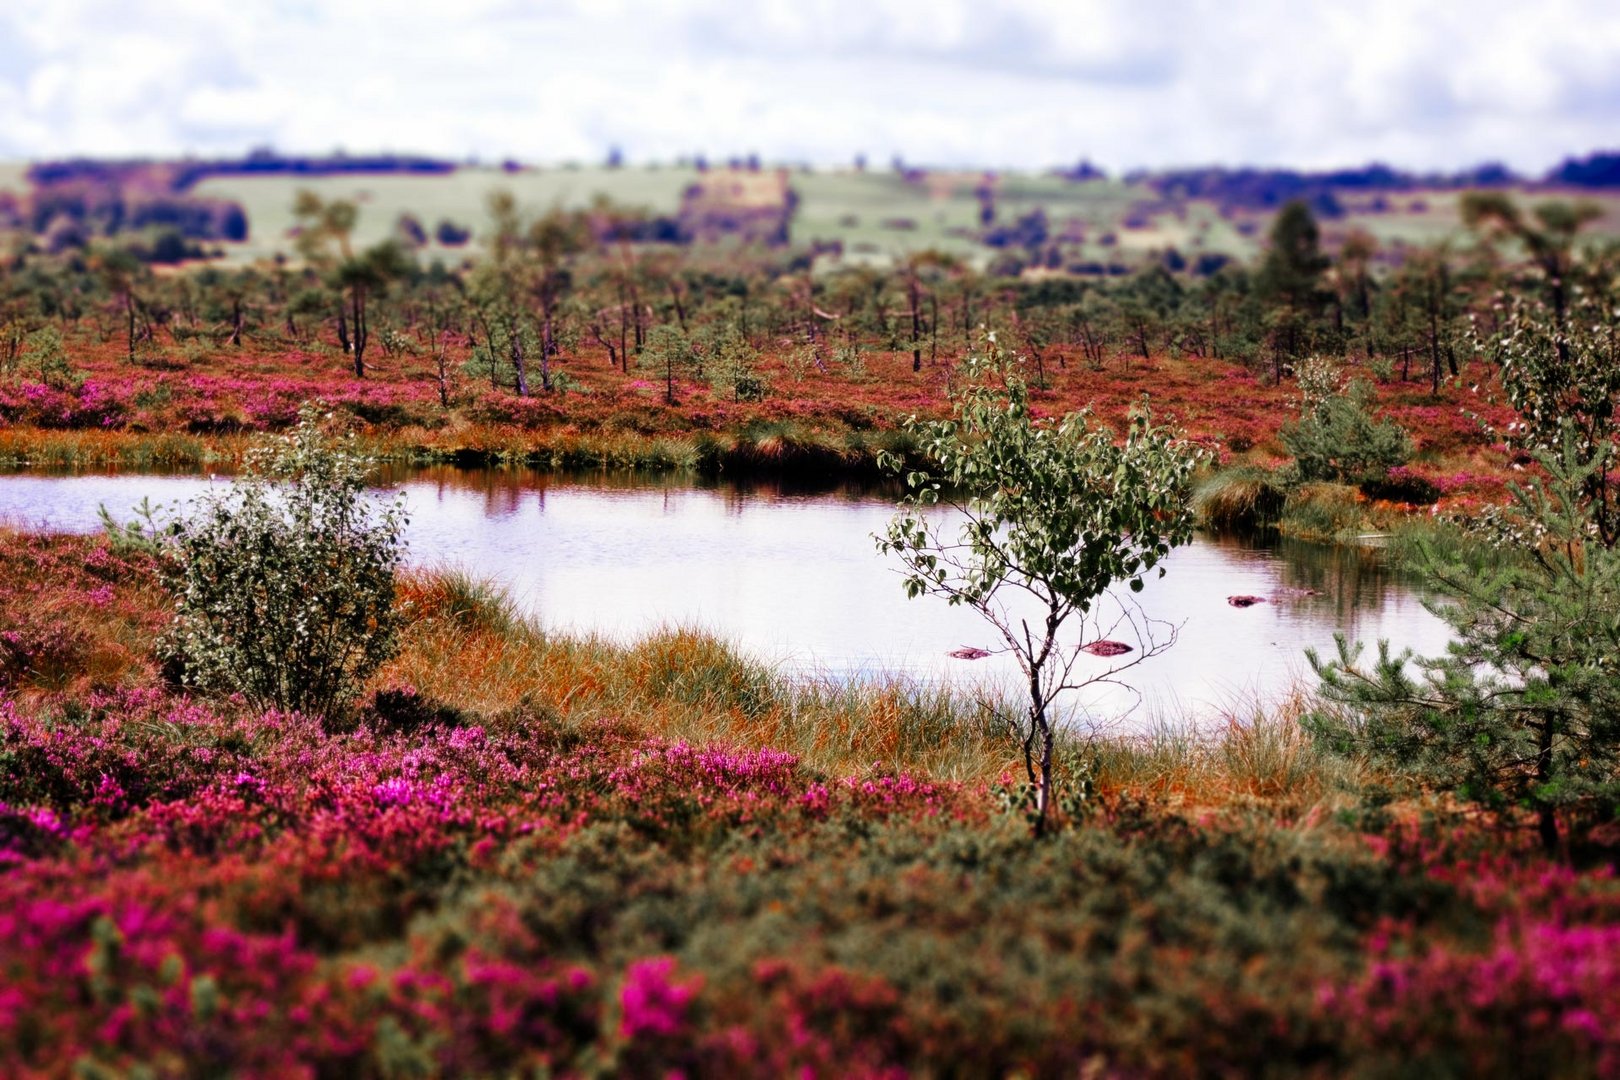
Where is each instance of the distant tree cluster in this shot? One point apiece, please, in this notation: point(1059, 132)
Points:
point(1269, 189)
point(1600, 170)
point(180, 176)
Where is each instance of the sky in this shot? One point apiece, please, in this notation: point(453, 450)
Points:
point(1027, 84)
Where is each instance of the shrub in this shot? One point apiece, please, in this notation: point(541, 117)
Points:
point(47, 356)
point(285, 583)
point(1336, 437)
point(1523, 710)
point(733, 366)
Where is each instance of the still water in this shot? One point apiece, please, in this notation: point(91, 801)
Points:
point(794, 577)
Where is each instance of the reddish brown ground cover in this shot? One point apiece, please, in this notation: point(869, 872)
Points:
point(810, 418)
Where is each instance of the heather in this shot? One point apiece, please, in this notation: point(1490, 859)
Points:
point(521, 854)
point(203, 405)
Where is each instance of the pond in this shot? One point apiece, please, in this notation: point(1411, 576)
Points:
point(794, 577)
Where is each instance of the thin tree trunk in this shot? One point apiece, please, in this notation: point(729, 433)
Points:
point(680, 308)
point(933, 326)
point(441, 358)
point(489, 341)
point(1546, 814)
point(360, 332)
point(514, 337)
point(547, 347)
point(915, 296)
point(624, 332)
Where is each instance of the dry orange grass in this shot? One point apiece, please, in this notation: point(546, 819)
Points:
point(75, 617)
point(683, 684)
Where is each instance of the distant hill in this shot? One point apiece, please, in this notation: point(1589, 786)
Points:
point(181, 176)
point(1595, 171)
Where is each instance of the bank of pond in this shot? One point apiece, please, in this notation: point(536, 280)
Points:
point(791, 577)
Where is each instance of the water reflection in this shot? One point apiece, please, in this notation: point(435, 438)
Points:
point(738, 491)
point(792, 574)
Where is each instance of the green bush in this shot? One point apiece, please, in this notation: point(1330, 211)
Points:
point(47, 356)
point(285, 582)
point(1523, 710)
point(1336, 437)
point(734, 367)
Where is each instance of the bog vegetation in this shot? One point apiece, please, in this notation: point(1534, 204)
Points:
point(270, 805)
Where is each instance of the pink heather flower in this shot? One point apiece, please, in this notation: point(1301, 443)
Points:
point(816, 799)
point(467, 738)
point(394, 792)
point(44, 819)
point(651, 1002)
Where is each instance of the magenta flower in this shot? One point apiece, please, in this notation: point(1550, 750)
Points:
point(651, 1002)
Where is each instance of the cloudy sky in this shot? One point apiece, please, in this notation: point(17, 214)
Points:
point(1017, 83)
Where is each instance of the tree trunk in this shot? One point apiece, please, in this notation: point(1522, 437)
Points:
point(1546, 815)
point(1038, 766)
point(933, 326)
point(915, 296)
point(547, 347)
point(1434, 352)
point(607, 342)
point(514, 339)
point(361, 333)
point(441, 358)
point(680, 308)
point(1560, 304)
point(624, 334)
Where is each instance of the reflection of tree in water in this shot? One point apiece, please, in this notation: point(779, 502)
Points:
point(1242, 549)
point(1347, 580)
point(504, 486)
point(1350, 579)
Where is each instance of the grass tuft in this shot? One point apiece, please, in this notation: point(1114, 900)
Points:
point(1238, 500)
point(1260, 753)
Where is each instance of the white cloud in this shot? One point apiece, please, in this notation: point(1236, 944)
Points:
point(1425, 83)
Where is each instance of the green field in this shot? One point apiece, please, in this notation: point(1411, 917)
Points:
point(461, 197)
point(876, 215)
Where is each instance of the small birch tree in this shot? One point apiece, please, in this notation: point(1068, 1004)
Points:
point(1045, 515)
